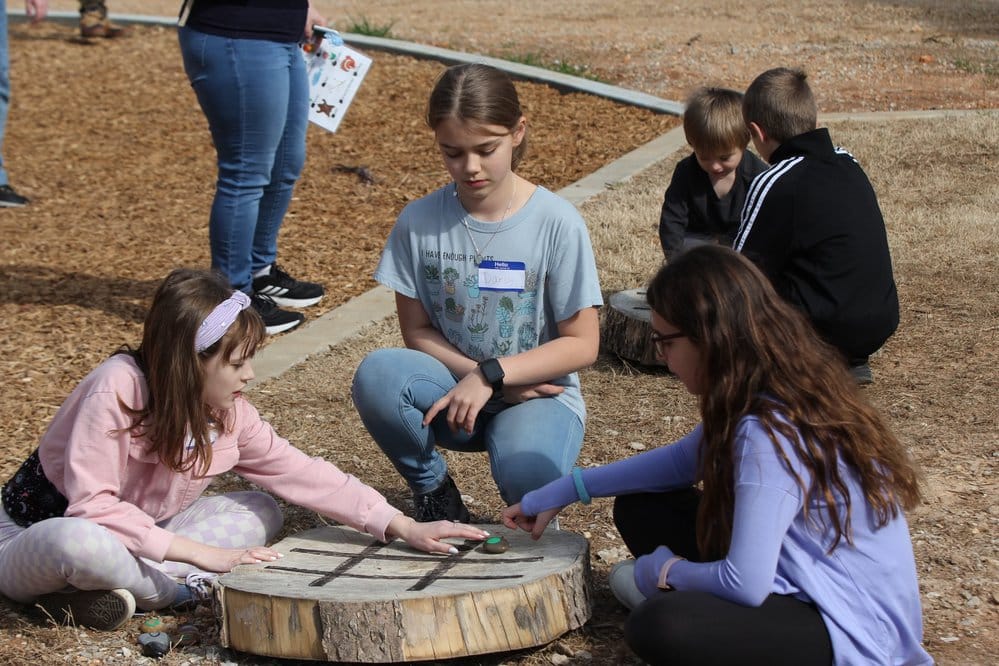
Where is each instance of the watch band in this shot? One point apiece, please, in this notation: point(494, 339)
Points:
point(493, 373)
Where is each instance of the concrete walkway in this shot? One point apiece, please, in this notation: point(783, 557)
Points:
point(319, 334)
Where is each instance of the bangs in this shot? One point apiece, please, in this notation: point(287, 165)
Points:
point(245, 334)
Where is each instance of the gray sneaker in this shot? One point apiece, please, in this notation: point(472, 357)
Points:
point(103, 610)
point(622, 584)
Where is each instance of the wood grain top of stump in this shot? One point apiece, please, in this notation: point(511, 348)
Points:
point(340, 595)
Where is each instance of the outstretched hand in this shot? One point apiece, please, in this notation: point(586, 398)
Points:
point(515, 518)
point(215, 559)
point(427, 536)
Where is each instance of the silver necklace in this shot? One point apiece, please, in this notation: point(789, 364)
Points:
point(479, 254)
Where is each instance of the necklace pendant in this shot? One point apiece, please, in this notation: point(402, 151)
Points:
point(478, 258)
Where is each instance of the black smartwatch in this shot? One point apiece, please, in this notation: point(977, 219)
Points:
point(493, 372)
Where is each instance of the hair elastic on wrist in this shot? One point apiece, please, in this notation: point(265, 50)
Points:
point(577, 480)
point(219, 320)
point(663, 584)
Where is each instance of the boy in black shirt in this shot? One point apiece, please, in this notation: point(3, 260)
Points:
point(704, 199)
point(812, 222)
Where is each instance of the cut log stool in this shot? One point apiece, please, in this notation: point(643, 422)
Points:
point(627, 328)
point(340, 595)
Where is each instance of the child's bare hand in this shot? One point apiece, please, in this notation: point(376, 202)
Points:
point(313, 19)
point(463, 403)
point(427, 536)
point(517, 394)
point(222, 560)
point(515, 518)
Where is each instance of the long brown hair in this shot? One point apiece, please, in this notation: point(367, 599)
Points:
point(175, 373)
point(478, 94)
point(760, 356)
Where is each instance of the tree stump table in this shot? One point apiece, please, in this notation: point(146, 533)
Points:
point(340, 595)
point(627, 328)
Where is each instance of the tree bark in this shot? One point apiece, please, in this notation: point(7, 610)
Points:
point(339, 595)
point(627, 328)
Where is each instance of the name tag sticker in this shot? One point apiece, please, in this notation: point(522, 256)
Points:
point(502, 275)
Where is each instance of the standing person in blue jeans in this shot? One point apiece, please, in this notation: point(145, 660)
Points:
point(497, 295)
point(244, 63)
point(36, 9)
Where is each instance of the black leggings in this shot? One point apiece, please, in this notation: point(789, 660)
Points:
point(697, 627)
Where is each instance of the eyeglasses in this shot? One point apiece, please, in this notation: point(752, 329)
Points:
point(660, 340)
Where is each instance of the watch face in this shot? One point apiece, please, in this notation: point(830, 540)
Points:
point(492, 371)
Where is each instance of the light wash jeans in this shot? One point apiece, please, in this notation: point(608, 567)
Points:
point(529, 444)
point(255, 95)
point(4, 85)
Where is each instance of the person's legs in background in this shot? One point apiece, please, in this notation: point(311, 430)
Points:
point(94, 21)
point(268, 278)
point(8, 197)
point(244, 88)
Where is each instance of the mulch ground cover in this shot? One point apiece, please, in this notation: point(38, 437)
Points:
point(108, 141)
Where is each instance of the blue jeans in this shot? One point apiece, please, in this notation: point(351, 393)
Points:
point(529, 444)
point(4, 84)
point(255, 95)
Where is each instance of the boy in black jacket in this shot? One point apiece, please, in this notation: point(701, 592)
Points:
point(705, 196)
point(812, 222)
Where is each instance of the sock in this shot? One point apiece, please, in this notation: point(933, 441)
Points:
point(266, 270)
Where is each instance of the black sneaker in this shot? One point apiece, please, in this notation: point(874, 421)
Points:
point(441, 504)
point(286, 290)
point(275, 319)
point(11, 199)
point(104, 610)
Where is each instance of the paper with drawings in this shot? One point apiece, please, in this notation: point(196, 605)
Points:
point(335, 73)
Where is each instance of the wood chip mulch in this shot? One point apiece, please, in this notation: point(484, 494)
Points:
point(108, 141)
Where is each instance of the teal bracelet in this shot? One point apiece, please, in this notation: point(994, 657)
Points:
point(577, 479)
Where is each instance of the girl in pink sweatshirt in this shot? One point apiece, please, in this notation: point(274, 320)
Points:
point(107, 515)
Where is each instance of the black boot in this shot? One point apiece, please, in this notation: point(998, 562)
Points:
point(444, 503)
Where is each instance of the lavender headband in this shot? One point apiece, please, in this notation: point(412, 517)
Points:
point(218, 322)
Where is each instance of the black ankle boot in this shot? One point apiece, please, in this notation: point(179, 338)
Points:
point(444, 503)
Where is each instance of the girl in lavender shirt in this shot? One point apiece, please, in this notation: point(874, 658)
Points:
point(108, 515)
point(775, 532)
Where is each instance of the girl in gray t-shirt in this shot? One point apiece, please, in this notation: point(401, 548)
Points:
point(496, 290)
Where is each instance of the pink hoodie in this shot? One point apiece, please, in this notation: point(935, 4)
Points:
point(111, 478)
